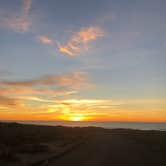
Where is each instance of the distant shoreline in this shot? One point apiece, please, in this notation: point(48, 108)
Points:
point(161, 126)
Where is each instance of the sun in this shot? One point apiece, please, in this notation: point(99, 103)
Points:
point(74, 117)
point(77, 118)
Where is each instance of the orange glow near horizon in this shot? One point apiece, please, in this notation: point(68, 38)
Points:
point(82, 118)
point(84, 110)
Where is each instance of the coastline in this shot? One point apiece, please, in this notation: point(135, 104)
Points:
point(161, 126)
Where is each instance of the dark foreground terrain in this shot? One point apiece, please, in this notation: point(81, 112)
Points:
point(89, 146)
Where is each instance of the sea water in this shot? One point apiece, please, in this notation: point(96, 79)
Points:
point(108, 125)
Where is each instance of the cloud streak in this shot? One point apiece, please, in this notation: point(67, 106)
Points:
point(27, 7)
point(106, 109)
point(79, 42)
point(74, 80)
point(5, 101)
point(45, 40)
point(43, 89)
point(20, 21)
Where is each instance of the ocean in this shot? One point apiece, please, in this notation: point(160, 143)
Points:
point(108, 125)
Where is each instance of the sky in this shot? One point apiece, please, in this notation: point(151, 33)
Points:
point(81, 60)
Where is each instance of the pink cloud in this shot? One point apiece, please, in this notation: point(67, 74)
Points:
point(80, 41)
point(45, 40)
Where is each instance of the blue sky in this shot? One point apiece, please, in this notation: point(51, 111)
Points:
point(114, 49)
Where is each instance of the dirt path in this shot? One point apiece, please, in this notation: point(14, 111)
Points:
point(110, 150)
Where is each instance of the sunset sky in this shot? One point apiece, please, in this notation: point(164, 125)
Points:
point(92, 60)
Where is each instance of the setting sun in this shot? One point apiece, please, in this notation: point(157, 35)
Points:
point(77, 118)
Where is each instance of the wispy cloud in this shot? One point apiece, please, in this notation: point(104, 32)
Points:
point(106, 109)
point(19, 21)
point(87, 109)
point(74, 80)
point(45, 40)
point(80, 41)
point(43, 89)
point(27, 7)
point(6, 101)
point(18, 24)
